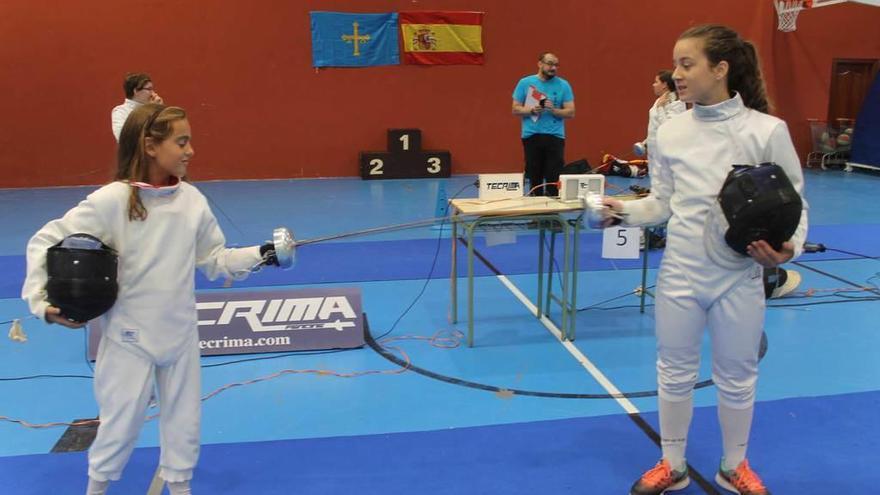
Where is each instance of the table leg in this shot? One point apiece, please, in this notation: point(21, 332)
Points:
point(551, 257)
point(540, 271)
point(574, 279)
point(453, 275)
point(566, 273)
point(470, 303)
point(647, 234)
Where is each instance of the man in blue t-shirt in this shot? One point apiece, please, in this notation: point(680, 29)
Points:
point(543, 101)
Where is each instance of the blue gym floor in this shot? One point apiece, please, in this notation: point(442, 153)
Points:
point(444, 427)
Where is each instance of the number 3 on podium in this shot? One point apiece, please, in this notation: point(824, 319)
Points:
point(433, 165)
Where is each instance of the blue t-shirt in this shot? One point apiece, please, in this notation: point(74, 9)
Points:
point(558, 90)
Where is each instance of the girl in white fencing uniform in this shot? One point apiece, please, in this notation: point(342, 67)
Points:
point(719, 73)
point(162, 228)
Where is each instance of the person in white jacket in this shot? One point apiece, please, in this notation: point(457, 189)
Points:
point(162, 229)
point(138, 88)
point(664, 108)
point(719, 73)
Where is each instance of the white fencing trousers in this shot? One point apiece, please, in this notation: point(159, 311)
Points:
point(123, 385)
point(735, 320)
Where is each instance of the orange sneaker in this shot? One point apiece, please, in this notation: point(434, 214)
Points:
point(660, 479)
point(741, 480)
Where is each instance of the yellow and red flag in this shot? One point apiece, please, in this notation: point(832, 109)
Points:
point(442, 38)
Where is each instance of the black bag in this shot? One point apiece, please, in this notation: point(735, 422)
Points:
point(577, 167)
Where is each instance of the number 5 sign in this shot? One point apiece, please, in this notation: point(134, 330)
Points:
point(621, 242)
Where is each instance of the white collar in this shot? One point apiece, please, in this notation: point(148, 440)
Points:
point(720, 111)
point(155, 191)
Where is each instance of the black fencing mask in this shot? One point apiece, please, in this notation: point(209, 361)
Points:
point(759, 203)
point(755, 203)
point(82, 277)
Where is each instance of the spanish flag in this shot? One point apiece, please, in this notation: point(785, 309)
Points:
point(442, 38)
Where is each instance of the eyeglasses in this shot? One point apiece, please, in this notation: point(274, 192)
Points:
point(145, 88)
point(552, 64)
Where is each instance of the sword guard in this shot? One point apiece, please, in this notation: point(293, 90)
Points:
point(285, 247)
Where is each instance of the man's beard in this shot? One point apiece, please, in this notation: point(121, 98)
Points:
point(548, 75)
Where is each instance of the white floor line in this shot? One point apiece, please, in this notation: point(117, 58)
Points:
point(609, 387)
point(156, 485)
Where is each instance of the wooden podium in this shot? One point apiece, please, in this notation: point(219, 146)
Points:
point(405, 159)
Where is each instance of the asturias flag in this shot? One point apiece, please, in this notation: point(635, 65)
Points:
point(442, 37)
point(354, 40)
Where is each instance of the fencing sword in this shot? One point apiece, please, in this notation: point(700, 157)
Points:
point(286, 243)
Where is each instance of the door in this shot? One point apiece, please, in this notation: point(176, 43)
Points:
point(850, 81)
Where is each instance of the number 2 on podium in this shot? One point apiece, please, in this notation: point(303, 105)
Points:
point(376, 165)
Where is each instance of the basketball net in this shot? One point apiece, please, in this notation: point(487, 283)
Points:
point(788, 11)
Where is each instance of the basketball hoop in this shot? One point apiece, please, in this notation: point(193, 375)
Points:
point(788, 11)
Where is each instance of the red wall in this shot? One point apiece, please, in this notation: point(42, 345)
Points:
point(259, 110)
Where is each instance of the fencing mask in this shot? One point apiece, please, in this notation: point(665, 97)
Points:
point(755, 203)
point(82, 277)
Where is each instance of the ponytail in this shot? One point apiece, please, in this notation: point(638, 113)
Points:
point(748, 80)
point(744, 67)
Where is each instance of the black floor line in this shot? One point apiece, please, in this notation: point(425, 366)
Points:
point(695, 475)
point(494, 388)
point(831, 275)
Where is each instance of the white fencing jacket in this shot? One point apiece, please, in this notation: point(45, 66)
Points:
point(119, 115)
point(694, 152)
point(658, 114)
point(155, 311)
